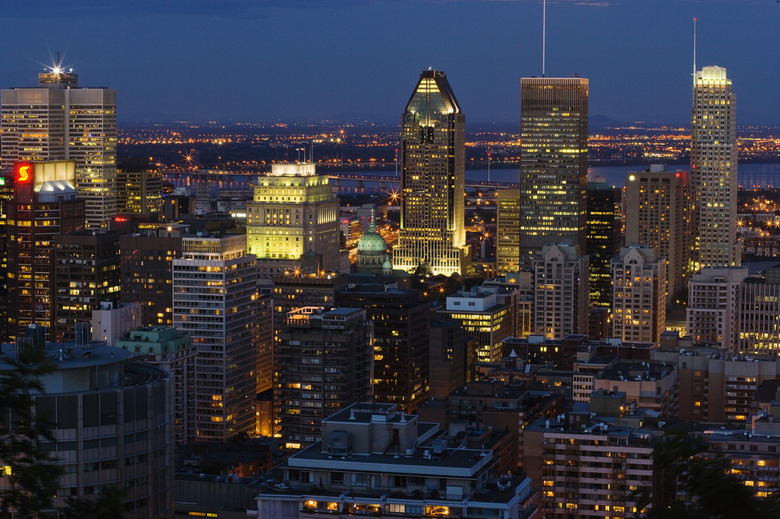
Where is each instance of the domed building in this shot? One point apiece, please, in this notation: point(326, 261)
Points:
point(372, 255)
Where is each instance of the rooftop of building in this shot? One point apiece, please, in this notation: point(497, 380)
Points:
point(637, 371)
point(66, 355)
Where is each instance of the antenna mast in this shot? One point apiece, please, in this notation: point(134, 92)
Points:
point(694, 52)
point(544, 32)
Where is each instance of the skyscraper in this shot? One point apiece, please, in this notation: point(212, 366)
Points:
point(58, 120)
point(714, 169)
point(604, 223)
point(215, 302)
point(553, 163)
point(293, 212)
point(433, 158)
point(507, 230)
point(44, 205)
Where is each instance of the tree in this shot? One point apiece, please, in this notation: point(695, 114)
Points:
point(108, 506)
point(682, 466)
point(32, 474)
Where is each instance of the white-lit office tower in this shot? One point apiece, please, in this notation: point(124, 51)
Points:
point(553, 163)
point(561, 291)
point(215, 301)
point(714, 170)
point(638, 295)
point(432, 230)
point(293, 212)
point(59, 120)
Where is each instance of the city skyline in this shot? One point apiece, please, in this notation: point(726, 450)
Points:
point(306, 61)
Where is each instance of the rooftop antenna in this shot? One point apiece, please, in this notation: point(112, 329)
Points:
point(544, 32)
point(694, 52)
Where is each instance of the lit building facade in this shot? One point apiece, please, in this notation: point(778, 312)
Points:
point(553, 163)
point(139, 187)
point(638, 295)
point(59, 120)
point(714, 169)
point(589, 467)
point(325, 363)
point(560, 292)
point(45, 205)
point(507, 230)
point(657, 216)
point(293, 212)
point(215, 302)
point(432, 230)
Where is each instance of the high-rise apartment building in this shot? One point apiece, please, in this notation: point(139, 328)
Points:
point(553, 163)
point(215, 302)
point(638, 295)
point(45, 205)
point(507, 230)
point(560, 291)
point(712, 316)
point(604, 227)
point(657, 216)
point(59, 120)
point(432, 232)
point(714, 170)
point(293, 212)
point(325, 361)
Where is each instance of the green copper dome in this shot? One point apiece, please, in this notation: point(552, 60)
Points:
point(372, 241)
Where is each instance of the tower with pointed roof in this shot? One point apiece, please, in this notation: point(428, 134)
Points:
point(433, 175)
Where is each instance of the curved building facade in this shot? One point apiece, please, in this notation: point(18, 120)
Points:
point(112, 426)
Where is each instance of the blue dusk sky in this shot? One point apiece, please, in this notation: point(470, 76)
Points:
point(351, 60)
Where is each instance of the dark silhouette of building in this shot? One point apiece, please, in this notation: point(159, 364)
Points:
point(401, 335)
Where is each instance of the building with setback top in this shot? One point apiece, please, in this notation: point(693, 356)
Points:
point(293, 212)
point(432, 233)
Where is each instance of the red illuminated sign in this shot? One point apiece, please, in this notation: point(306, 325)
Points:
point(23, 171)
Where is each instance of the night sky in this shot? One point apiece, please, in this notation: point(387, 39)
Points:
point(351, 60)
